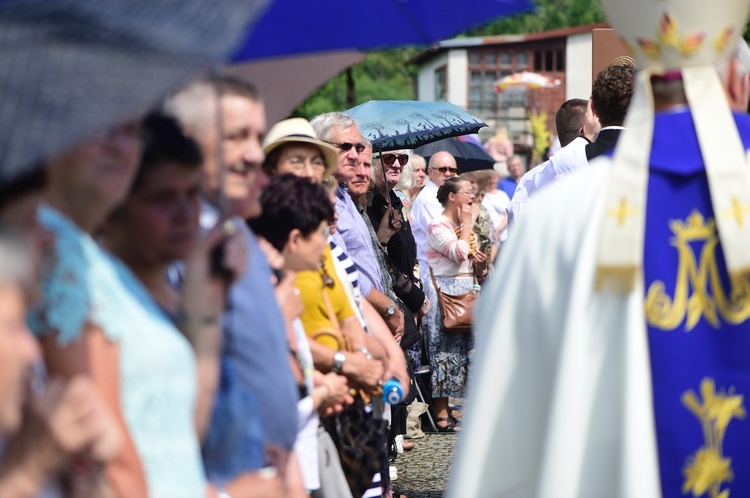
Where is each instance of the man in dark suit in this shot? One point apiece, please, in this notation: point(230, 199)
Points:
point(610, 97)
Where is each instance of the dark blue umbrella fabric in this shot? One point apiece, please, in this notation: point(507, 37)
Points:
point(70, 68)
point(408, 124)
point(469, 156)
point(304, 26)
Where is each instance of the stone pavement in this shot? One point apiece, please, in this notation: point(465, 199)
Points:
point(423, 472)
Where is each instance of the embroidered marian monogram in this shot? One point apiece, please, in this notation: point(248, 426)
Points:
point(708, 298)
point(707, 469)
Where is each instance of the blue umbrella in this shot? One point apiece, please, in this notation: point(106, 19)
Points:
point(303, 26)
point(469, 156)
point(408, 124)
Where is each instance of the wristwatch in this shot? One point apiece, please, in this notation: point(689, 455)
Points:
point(338, 361)
point(390, 310)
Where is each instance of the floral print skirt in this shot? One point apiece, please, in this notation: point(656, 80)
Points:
point(450, 353)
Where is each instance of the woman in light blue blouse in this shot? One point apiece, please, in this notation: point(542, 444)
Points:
point(96, 318)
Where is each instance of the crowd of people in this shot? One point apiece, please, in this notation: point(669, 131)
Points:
point(217, 304)
point(196, 302)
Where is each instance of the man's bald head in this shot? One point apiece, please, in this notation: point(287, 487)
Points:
point(442, 166)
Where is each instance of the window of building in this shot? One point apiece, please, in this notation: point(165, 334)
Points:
point(522, 60)
point(505, 59)
point(549, 60)
point(486, 66)
point(440, 84)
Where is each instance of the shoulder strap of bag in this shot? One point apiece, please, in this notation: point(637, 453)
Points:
point(335, 331)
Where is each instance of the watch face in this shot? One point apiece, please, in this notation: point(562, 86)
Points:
point(338, 361)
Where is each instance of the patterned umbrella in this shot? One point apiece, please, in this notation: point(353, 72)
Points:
point(407, 124)
point(526, 79)
point(70, 68)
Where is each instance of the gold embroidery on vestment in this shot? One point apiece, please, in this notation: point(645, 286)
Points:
point(737, 211)
point(708, 298)
point(622, 211)
point(707, 469)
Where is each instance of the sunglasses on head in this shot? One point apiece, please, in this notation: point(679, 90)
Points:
point(443, 169)
point(389, 159)
point(347, 146)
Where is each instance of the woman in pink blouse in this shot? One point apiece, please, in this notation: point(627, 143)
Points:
point(452, 252)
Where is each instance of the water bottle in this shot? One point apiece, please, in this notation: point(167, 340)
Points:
point(392, 392)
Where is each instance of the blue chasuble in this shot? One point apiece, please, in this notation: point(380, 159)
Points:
point(698, 332)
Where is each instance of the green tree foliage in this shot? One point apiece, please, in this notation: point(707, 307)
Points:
point(383, 75)
point(548, 15)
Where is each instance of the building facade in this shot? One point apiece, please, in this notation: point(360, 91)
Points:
point(463, 71)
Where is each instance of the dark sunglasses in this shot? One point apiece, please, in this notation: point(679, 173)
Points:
point(389, 159)
point(443, 169)
point(347, 146)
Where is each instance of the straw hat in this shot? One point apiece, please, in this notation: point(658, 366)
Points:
point(682, 38)
point(299, 130)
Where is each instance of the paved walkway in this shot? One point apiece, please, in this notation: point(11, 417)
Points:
point(423, 472)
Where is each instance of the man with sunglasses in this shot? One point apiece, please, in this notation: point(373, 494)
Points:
point(426, 206)
point(352, 233)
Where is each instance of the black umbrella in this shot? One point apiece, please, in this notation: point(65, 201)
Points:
point(469, 156)
point(70, 68)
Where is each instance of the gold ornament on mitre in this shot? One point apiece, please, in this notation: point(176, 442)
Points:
point(687, 38)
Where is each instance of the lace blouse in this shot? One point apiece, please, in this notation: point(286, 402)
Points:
point(83, 283)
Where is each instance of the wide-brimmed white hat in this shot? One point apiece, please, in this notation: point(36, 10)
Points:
point(676, 38)
point(299, 130)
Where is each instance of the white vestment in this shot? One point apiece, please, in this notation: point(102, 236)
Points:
point(567, 160)
point(560, 401)
point(521, 195)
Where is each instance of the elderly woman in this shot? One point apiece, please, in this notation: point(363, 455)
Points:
point(452, 252)
point(292, 146)
point(419, 174)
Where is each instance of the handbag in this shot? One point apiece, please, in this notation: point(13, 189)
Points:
point(360, 439)
point(333, 483)
point(407, 290)
point(455, 310)
point(412, 334)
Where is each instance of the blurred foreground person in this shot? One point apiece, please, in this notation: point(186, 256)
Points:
point(96, 319)
point(163, 208)
point(65, 421)
point(256, 372)
point(613, 355)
